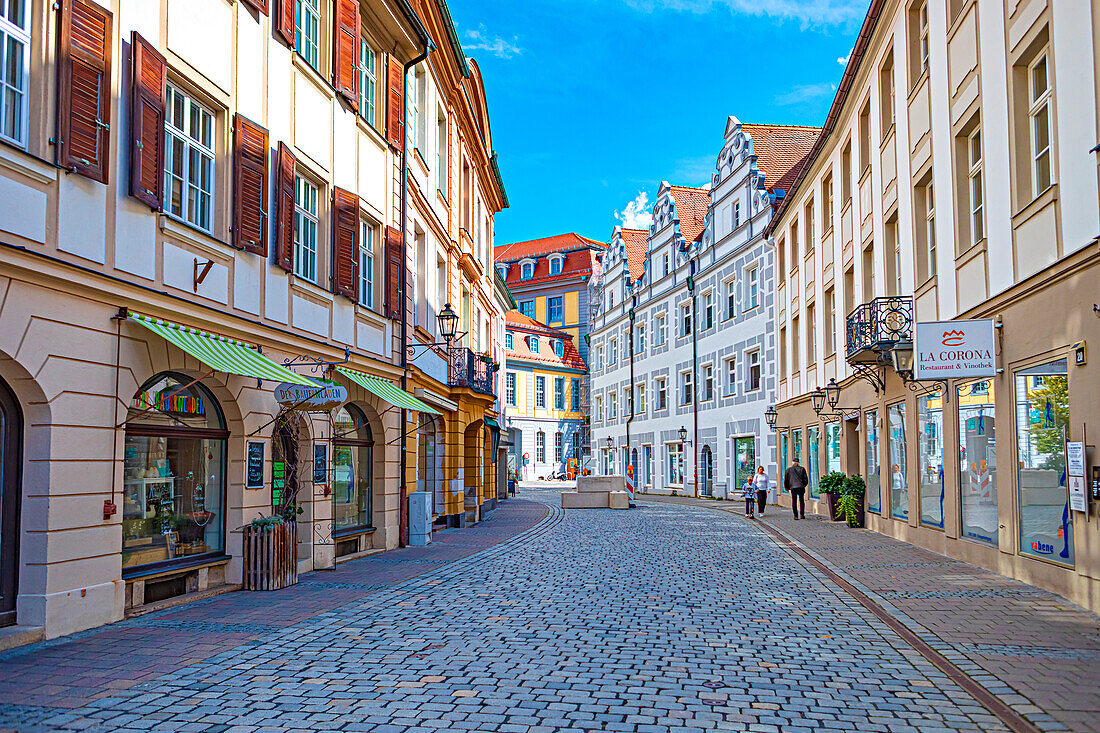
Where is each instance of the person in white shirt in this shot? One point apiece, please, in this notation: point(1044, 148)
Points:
point(760, 480)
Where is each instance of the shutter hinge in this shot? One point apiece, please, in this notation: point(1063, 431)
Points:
point(102, 124)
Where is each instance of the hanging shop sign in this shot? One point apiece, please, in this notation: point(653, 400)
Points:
point(947, 349)
point(321, 398)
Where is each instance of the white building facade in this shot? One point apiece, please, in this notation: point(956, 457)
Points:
point(683, 349)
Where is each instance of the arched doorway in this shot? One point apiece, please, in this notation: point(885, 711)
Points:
point(286, 465)
point(173, 503)
point(706, 471)
point(11, 467)
point(352, 471)
point(473, 467)
point(429, 468)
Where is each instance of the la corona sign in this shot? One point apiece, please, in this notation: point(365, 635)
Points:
point(948, 349)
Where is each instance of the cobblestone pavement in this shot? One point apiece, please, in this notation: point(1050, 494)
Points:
point(1034, 649)
point(663, 618)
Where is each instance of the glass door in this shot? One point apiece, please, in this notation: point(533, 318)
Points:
point(744, 451)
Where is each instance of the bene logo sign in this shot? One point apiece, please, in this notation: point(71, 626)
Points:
point(947, 349)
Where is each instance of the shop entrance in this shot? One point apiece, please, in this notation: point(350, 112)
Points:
point(11, 461)
point(706, 472)
point(744, 451)
point(285, 480)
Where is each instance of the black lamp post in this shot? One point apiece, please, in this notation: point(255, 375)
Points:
point(832, 393)
point(771, 416)
point(683, 434)
point(448, 323)
point(817, 399)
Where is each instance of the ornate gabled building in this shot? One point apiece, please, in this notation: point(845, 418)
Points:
point(682, 339)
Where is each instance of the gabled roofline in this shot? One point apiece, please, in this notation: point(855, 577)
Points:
point(452, 36)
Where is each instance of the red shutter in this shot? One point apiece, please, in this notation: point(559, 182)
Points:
point(284, 210)
point(260, 5)
point(250, 158)
point(395, 263)
point(345, 238)
point(149, 74)
point(283, 20)
point(84, 100)
point(395, 129)
point(346, 51)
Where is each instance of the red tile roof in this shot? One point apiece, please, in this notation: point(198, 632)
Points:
point(577, 263)
point(691, 209)
point(522, 326)
point(636, 242)
point(546, 245)
point(781, 151)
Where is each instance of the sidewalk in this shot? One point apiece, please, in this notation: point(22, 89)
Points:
point(37, 679)
point(1033, 649)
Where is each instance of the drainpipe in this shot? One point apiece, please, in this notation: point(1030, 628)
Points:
point(633, 397)
point(404, 521)
point(694, 382)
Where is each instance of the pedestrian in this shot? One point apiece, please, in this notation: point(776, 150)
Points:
point(760, 481)
point(795, 481)
point(748, 493)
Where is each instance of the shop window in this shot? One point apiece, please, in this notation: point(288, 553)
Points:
point(796, 447)
point(675, 455)
point(832, 447)
point(1042, 418)
point(784, 454)
point(874, 481)
point(978, 462)
point(813, 467)
point(899, 481)
point(352, 470)
point(174, 474)
point(930, 437)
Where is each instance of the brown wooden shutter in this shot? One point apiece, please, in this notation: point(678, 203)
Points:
point(345, 238)
point(346, 51)
point(260, 5)
point(284, 209)
point(395, 262)
point(395, 125)
point(283, 20)
point(149, 75)
point(84, 99)
point(250, 167)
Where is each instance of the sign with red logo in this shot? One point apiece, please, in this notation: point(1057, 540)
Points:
point(947, 349)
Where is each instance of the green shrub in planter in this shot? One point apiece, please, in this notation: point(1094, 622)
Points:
point(851, 500)
point(833, 483)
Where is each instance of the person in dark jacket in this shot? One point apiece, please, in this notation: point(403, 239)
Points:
point(795, 481)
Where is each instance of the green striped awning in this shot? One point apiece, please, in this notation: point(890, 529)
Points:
point(220, 353)
point(389, 392)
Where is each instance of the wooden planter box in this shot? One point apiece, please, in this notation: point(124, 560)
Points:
point(270, 556)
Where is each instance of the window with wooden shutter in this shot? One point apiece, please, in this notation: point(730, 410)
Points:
point(283, 20)
point(84, 99)
point(284, 209)
point(345, 238)
point(260, 5)
point(149, 76)
point(346, 51)
point(395, 125)
point(395, 262)
point(250, 158)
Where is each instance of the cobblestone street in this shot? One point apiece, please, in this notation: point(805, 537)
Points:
point(664, 618)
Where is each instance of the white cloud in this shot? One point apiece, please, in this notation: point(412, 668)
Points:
point(805, 92)
point(804, 12)
point(636, 214)
point(843, 60)
point(481, 40)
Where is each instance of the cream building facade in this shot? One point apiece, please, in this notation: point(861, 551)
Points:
point(226, 176)
point(955, 179)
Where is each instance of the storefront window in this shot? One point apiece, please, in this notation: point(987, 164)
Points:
point(1042, 417)
point(930, 429)
point(978, 462)
point(173, 473)
point(813, 469)
point(874, 482)
point(832, 447)
point(796, 439)
point(899, 482)
point(784, 456)
point(352, 469)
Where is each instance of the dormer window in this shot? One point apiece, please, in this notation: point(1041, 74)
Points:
point(558, 348)
point(533, 343)
point(556, 263)
point(527, 270)
point(503, 270)
point(508, 340)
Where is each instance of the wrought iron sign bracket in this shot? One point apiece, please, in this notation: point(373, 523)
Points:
point(924, 387)
point(873, 375)
point(411, 348)
point(315, 364)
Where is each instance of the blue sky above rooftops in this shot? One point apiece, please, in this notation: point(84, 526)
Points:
point(594, 102)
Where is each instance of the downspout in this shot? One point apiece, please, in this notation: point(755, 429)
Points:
point(403, 539)
point(694, 385)
point(633, 396)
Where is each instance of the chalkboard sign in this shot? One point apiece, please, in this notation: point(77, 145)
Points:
point(255, 478)
point(320, 463)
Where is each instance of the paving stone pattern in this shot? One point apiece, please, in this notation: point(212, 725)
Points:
point(1034, 649)
point(664, 618)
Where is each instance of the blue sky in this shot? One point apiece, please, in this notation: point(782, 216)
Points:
point(593, 102)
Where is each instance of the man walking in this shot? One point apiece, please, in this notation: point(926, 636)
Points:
point(795, 480)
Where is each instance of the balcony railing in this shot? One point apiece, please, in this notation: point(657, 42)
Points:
point(468, 369)
point(875, 327)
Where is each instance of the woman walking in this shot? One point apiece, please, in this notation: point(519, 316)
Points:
point(760, 481)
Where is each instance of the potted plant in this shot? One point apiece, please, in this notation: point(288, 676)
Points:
point(850, 502)
point(832, 486)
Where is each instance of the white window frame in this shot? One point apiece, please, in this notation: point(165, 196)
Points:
point(659, 336)
point(639, 339)
point(443, 154)
point(524, 274)
point(1036, 106)
point(559, 393)
point(736, 214)
point(368, 82)
point(613, 352)
point(558, 262)
point(731, 376)
point(533, 344)
point(510, 388)
point(675, 475)
point(708, 383)
point(612, 406)
point(687, 393)
point(540, 447)
point(639, 391)
point(306, 228)
point(366, 263)
point(929, 235)
point(12, 33)
point(559, 446)
point(922, 38)
point(508, 340)
point(752, 359)
point(660, 386)
point(191, 183)
point(977, 191)
point(752, 292)
point(685, 320)
point(731, 298)
point(540, 392)
point(599, 407)
point(307, 31)
point(708, 310)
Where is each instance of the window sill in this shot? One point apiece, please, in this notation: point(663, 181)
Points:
point(887, 136)
point(360, 530)
point(32, 168)
point(916, 85)
point(1036, 205)
point(192, 235)
point(314, 75)
point(373, 132)
point(307, 287)
point(967, 255)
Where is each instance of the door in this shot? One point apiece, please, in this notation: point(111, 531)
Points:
point(11, 462)
point(744, 451)
point(706, 470)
